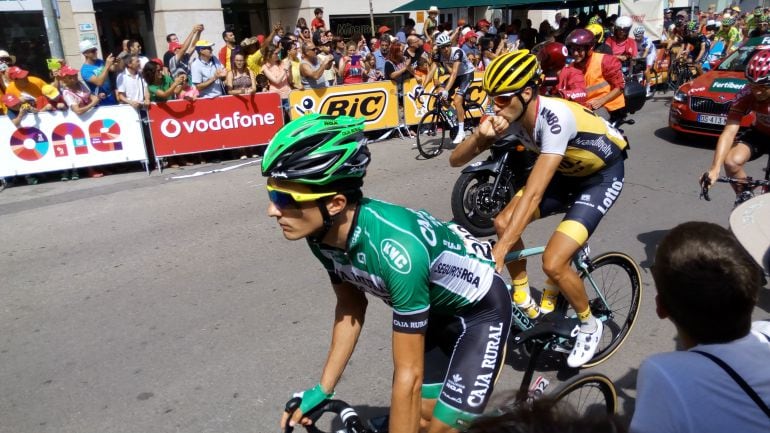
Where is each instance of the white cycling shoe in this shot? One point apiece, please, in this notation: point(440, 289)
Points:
point(585, 346)
point(459, 137)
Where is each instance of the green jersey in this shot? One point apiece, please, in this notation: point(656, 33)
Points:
point(412, 261)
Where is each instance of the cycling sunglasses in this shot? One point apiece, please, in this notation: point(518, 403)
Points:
point(504, 99)
point(286, 199)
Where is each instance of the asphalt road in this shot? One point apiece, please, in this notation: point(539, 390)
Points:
point(137, 303)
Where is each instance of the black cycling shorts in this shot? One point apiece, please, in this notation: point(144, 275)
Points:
point(585, 200)
point(758, 143)
point(461, 84)
point(464, 355)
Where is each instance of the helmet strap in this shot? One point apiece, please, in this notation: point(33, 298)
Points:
point(328, 220)
point(524, 106)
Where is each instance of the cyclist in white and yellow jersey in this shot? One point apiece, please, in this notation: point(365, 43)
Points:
point(579, 169)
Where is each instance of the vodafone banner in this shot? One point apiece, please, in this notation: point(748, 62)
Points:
point(416, 97)
point(376, 101)
point(227, 122)
point(647, 13)
point(62, 140)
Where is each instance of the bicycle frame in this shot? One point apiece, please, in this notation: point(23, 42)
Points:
point(582, 263)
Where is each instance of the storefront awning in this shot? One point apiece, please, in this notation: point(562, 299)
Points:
point(419, 5)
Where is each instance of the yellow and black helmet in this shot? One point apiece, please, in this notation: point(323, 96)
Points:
point(511, 72)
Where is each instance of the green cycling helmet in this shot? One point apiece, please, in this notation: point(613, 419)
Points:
point(318, 149)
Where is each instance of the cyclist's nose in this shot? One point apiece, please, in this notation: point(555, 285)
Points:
point(272, 210)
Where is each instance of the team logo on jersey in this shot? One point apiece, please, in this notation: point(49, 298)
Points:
point(396, 256)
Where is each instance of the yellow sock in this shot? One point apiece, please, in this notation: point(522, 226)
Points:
point(550, 293)
point(521, 291)
point(583, 317)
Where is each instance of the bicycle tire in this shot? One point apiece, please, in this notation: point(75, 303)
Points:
point(588, 394)
point(431, 134)
point(623, 301)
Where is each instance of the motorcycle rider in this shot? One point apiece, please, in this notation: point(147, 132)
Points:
point(603, 74)
point(559, 79)
point(622, 46)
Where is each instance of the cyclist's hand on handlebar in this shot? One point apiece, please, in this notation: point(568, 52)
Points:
point(498, 254)
point(492, 126)
point(712, 176)
point(443, 94)
point(292, 415)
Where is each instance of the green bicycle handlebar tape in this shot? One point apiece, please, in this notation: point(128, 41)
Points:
point(313, 397)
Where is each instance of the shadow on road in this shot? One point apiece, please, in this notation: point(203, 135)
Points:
point(626, 388)
point(696, 141)
point(650, 241)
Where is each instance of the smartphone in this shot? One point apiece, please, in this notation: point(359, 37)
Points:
point(355, 59)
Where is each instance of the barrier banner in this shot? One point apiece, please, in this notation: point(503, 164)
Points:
point(416, 97)
point(377, 102)
point(647, 13)
point(62, 140)
point(227, 122)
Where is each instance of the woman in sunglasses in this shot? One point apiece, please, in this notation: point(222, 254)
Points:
point(451, 310)
point(580, 170)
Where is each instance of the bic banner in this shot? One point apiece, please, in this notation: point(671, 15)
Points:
point(416, 97)
point(53, 141)
point(377, 102)
point(227, 122)
point(646, 13)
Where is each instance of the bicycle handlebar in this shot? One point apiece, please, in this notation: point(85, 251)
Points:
point(344, 411)
point(705, 183)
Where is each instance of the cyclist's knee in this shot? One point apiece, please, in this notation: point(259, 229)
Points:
point(555, 266)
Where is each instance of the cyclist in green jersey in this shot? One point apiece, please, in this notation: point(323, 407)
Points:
point(451, 310)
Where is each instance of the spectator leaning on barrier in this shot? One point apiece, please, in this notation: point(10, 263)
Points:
point(350, 67)
point(708, 286)
point(162, 87)
point(96, 73)
point(132, 89)
point(371, 73)
point(312, 69)
point(206, 71)
point(397, 67)
point(330, 72)
point(228, 51)
point(76, 95)
point(16, 109)
point(240, 80)
point(33, 90)
point(6, 61)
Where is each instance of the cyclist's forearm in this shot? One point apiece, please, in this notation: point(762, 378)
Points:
point(469, 149)
point(405, 402)
point(348, 321)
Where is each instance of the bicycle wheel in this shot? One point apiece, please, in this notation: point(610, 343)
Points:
point(587, 394)
point(614, 289)
point(431, 133)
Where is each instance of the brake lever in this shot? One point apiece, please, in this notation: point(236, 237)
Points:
point(705, 183)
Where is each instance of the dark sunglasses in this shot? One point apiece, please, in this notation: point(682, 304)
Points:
point(5, 59)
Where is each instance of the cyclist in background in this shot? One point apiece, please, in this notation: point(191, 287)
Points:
point(603, 74)
point(580, 169)
point(451, 310)
point(697, 46)
point(734, 149)
point(646, 50)
point(460, 71)
point(729, 34)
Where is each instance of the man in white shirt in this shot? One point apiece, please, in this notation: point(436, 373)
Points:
point(132, 89)
point(707, 286)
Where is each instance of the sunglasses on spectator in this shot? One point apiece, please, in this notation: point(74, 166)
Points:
point(285, 199)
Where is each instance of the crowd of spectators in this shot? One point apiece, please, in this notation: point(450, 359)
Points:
point(308, 57)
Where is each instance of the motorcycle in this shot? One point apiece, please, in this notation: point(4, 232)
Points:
point(485, 187)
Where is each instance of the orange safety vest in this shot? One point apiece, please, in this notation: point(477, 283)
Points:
point(597, 86)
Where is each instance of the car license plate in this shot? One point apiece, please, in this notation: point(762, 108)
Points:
point(714, 120)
